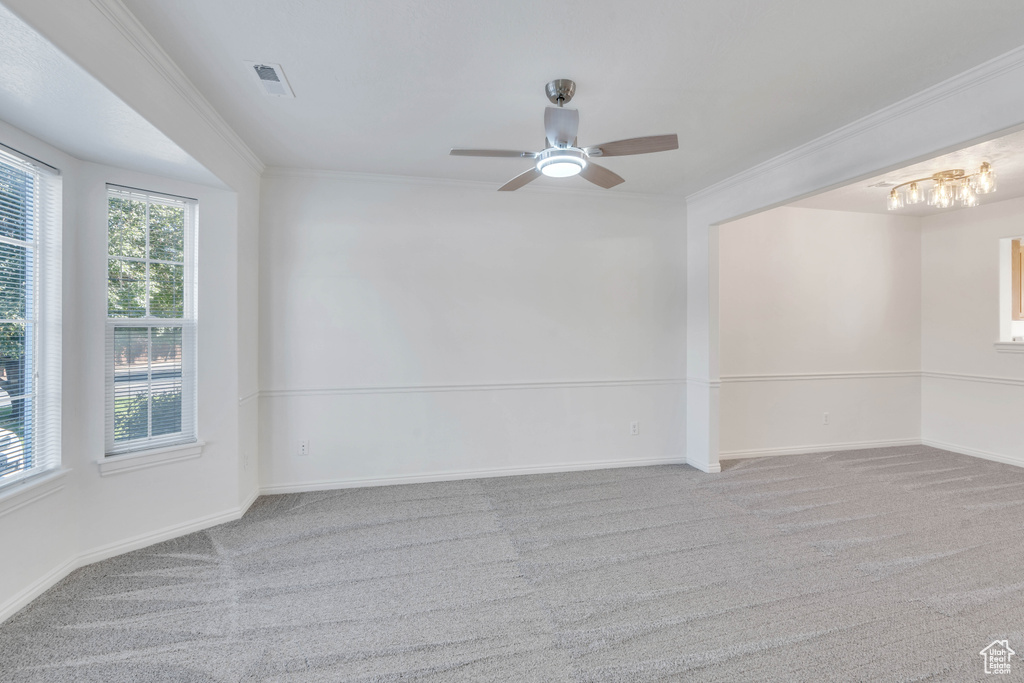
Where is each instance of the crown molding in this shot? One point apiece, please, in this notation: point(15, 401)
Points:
point(142, 40)
point(389, 179)
point(1008, 61)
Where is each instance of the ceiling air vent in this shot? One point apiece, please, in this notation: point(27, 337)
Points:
point(271, 79)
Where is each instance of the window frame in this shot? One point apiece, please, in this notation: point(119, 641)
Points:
point(1016, 283)
point(42, 314)
point(188, 323)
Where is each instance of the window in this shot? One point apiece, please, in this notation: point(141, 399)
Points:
point(30, 381)
point(151, 320)
point(1011, 295)
point(1017, 286)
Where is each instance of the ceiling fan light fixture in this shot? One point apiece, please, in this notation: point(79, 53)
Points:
point(562, 158)
point(561, 162)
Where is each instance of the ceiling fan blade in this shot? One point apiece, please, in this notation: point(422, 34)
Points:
point(646, 145)
point(456, 152)
point(560, 125)
point(601, 176)
point(520, 180)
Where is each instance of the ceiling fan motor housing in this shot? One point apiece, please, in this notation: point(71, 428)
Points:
point(560, 91)
point(561, 162)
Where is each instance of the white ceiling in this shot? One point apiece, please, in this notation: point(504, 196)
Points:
point(1006, 154)
point(45, 94)
point(387, 86)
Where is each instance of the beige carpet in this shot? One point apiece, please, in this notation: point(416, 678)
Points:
point(891, 564)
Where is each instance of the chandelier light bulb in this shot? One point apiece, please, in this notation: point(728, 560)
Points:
point(945, 195)
point(967, 196)
point(986, 179)
point(965, 192)
point(895, 201)
point(914, 194)
point(941, 196)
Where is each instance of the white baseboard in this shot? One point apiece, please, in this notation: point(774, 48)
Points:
point(53, 577)
point(37, 588)
point(167, 533)
point(249, 500)
point(817, 448)
point(704, 466)
point(964, 450)
point(328, 485)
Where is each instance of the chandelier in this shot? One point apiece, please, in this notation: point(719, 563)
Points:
point(948, 188)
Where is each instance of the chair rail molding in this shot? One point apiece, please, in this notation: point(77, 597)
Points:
point(962, 377)
point(813, 376)
point(438, 388)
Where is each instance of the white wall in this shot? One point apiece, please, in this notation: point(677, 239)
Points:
point(49, 528)
point(942, 118)
point(973, 395)
point(427, 329)
point(171, 493)
point(247, 339)
point(92, 516)
point(39, 534)
point(109, 43)
point(464, 331)
point(820, 311)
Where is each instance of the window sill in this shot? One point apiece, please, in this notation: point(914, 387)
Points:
point(30, 489)
point(129, 462)
point(1010, 347)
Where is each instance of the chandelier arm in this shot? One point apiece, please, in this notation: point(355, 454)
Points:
point(933, 179)
point(911, 182)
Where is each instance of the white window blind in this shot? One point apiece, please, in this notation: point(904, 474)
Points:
point(30, 317)
point(151, 320)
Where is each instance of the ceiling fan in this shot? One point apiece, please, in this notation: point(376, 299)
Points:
point(562, 157)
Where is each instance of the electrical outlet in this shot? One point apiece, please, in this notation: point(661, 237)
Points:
point(634, 428)
point(824, 419)
point(304, 447)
